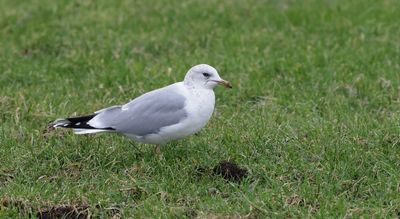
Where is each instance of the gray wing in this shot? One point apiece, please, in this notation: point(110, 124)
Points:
point(146, 114)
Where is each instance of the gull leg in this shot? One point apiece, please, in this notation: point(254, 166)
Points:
point(157, 150)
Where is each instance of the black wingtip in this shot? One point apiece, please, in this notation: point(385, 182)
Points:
point(80, 122)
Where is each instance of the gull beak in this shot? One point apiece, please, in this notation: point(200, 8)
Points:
point(224, 83)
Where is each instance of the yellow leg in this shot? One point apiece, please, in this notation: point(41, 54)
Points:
point(157, 150)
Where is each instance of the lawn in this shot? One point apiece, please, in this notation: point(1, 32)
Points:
point(314, 115)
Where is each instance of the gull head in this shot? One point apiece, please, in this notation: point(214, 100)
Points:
point(204, 76)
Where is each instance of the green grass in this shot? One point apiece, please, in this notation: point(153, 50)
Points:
point(314, 114)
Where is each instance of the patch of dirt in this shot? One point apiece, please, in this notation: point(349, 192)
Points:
point(230, 171)
point(79, 211)
point(66, 211)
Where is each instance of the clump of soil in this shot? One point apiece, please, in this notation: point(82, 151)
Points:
point(66, 211)
point(80, 211)
point(230, 171)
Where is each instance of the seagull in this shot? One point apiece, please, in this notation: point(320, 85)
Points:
point(159, 116)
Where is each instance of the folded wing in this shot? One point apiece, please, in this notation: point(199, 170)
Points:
point(144, 115)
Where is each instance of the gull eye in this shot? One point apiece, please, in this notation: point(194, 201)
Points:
point(207, 75)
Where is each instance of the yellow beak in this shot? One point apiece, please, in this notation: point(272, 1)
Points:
point(225, 83)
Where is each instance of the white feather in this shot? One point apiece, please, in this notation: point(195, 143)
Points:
point(89, 131)
point(60, 122)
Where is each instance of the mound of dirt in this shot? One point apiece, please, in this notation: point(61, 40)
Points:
point(230, 171)
point(66, 211)
point(80, 211)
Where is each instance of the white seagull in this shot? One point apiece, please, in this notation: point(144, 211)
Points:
point(159, 116)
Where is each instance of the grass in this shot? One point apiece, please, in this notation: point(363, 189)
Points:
point(314, 114)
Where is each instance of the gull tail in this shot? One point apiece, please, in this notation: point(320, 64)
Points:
point(80, 125)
